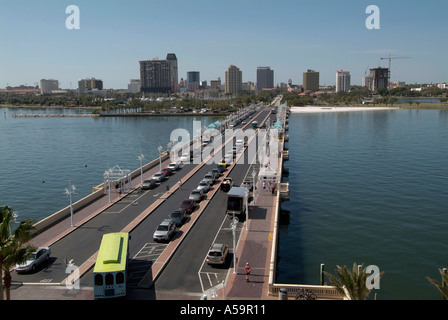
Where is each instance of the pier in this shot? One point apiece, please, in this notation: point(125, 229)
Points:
point(138, 212)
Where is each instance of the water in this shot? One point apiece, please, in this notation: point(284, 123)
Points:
point(366, 187)
point(371, 188)
point(38, 156)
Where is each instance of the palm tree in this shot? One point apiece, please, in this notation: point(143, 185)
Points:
point(441, 286)
point(352, 283)
point(13, 247)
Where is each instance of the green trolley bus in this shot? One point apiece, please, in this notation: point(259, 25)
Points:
point(110, 272)
point(254, 124)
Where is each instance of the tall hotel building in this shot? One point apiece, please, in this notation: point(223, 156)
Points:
point(159, 75)
point(172, 61)
point(342, 81)
point(234, 80)
point(265, 78)
point(311, 81)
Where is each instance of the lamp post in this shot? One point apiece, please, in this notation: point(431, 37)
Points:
point(159, 148)
point(69, 192)
point(233, 227)
point(141, 157)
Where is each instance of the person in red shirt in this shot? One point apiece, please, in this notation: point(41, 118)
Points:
point(247, 268)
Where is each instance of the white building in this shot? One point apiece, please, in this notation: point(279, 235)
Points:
point(48, 85)
point(134, 86)
point(342, 81)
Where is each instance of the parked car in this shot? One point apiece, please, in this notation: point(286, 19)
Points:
point(189, 205)
point(216, 172)
point(167, 171)
point(217, 254)
point(210, 176)
point(197, 195)
point(34, 260)
point(165, 231)
point(148, 184)
point(159, 176)
point(185, 157)
point(204, 185)
point(179, 216)
point(174, 166)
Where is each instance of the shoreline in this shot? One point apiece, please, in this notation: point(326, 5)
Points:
point(312, 109)
point(323, 109)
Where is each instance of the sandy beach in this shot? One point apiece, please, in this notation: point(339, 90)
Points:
point(310, 109)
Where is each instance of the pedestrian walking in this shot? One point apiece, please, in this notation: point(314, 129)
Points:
point(247, 269)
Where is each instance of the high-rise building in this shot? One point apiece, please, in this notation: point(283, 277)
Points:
point(155, 76)
point(48, 85)
point(265, 78)
point(342, 81)
point(172, 61)
point(193, 79)
point(234, 80)
point(378, 79)
point(311, 81)
point(90, 84)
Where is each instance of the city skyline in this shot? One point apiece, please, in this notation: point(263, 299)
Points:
point(289, 36)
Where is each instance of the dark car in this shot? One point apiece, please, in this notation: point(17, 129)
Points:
point(179, 216)
point(189, 205)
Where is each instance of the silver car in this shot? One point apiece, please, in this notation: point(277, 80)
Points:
point(204, 185)
point(34, 260)
point(165, 231)
point(217, 254)
point(197, 195)
point(159, 176)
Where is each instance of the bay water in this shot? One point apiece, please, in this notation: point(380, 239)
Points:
point(39, 156)
point(369, 188)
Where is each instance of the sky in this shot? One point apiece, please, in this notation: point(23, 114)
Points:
point(210, 35)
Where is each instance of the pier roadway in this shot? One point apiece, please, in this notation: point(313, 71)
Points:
point(80, 243)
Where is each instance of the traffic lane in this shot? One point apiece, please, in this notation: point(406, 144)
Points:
point(192, 251)
point(142, 234)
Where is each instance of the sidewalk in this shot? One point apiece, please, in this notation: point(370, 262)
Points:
point(254, 247)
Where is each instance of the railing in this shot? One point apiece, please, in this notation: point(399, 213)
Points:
point(322, 292)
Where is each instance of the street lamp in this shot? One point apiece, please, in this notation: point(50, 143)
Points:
point(233, 227)
point(160, 148)
point(69, 192)
point(141, 157)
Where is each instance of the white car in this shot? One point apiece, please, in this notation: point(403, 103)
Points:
point(34, 260)
point(185, 157)
point(174, 166)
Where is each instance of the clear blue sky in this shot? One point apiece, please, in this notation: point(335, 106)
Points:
point(209, 35)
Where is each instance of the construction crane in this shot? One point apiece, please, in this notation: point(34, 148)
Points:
point(392, 58)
